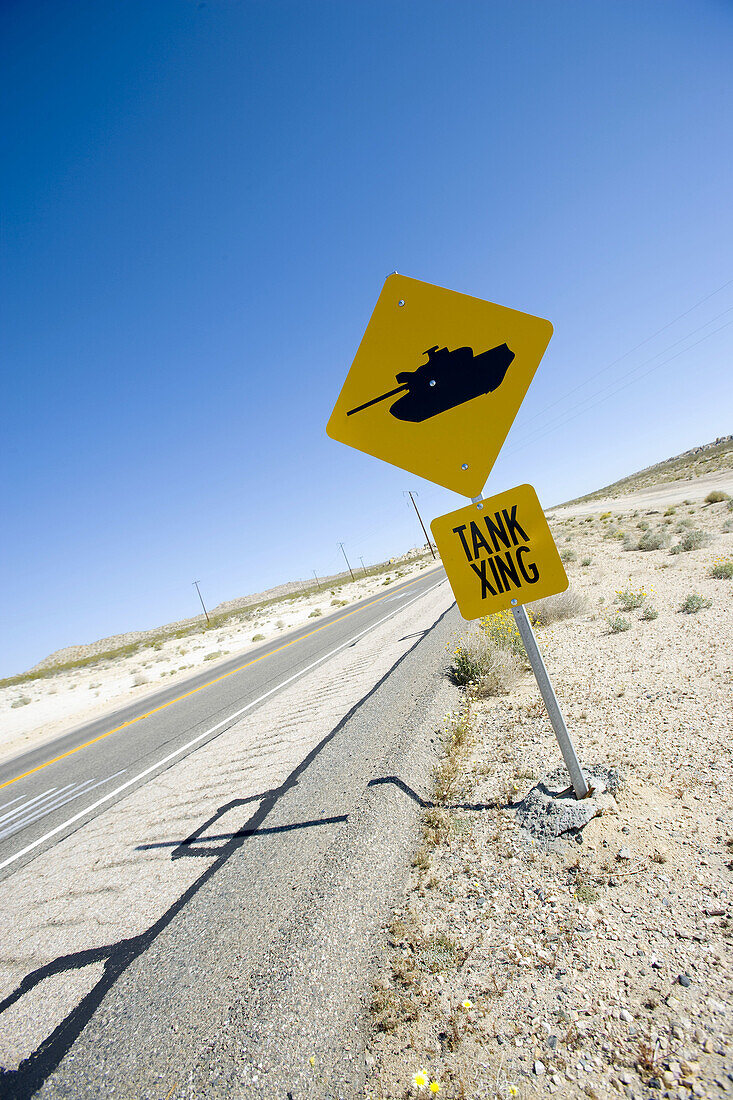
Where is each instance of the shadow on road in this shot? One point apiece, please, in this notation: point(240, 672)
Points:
point(424, 803)
point(22, 1083)
point(33, 1071)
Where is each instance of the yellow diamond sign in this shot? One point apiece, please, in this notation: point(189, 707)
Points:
point(499, 553)
point(437, 381)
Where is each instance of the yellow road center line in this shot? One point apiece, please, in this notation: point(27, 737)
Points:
point(216, 680)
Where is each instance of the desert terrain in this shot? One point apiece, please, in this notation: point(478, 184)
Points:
point(85, 682)
point(597, 964)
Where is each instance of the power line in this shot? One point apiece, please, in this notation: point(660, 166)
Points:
point(618, 389)
point(206, 613)
point(347, 561)
point(409, 493)
point(636, 347)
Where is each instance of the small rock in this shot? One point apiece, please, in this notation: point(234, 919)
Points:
point(552, 1043)
point(625, 829)
point(625, 1015)
point(684, 980)
point(654, 1083)
point(539, 1068)
point(624, 853)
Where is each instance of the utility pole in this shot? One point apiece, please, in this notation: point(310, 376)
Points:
point(318, 583)
point(206, 613)
point(347, 561)
point(363, 566)
point(409, 493)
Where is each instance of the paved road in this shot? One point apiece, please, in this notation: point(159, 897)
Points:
point(46, 793)
point(215, 928)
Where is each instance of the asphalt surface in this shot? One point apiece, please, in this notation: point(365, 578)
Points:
point(48, 792)
point(252, 977)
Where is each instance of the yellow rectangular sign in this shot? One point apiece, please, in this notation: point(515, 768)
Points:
point(437, 382)
point(499, 553)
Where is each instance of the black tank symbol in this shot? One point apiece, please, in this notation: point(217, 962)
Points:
point(449, 378)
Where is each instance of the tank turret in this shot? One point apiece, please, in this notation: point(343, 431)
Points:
point(449, 378)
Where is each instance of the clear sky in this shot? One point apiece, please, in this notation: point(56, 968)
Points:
point(201, 202)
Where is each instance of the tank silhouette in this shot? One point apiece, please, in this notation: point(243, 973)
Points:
point(449, 378)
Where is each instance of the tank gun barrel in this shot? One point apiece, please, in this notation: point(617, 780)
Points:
point(382, 397)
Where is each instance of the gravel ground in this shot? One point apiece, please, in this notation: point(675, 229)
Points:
point(599, 964)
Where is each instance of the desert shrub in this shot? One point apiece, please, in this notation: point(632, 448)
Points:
point(716, 496)
point(683, 523)
point(279, 625)
point(568, 555)
point(642, 525)
point(630, 598)
point(692, 540)
point(486, 665)
point(440, 953)
point(650, 613)
point(694, 603)
point(216, 653)
point(630, 542)
point(605, 516)
point(618, 624)
point(728, 525)
point(140, 679)
point(258, 637)
point(586, 561)
point(670, 511)
point(21, 701)
point(722, 569)
point(564, 605)
point(586, 895)
point(653, 540)
point(502, 631)
point(315, 613)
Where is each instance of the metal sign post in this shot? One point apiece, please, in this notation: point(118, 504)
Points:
point(499, 554)
point(564, 740)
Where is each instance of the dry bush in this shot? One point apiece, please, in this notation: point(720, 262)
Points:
point(564, 605)
point(490, 669)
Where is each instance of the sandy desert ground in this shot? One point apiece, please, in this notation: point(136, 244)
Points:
point(600, 964)
point(40, 710)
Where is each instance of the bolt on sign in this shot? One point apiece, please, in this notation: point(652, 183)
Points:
point(437, 382)
point(499, 553)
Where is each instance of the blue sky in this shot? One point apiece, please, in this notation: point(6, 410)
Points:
point(201, 202)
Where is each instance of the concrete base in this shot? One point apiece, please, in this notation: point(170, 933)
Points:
point(551, 808)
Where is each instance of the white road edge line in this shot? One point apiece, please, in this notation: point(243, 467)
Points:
point(183, 748)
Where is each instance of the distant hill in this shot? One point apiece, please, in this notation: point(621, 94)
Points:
point(706, 459)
